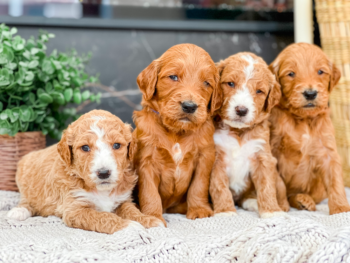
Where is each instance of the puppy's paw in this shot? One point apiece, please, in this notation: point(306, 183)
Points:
point(250, 204)
point(225, 214)
point(199, 212)
point(135, 226)
point(303, 202)
point(273, 214)
point(285, 206)
point(339, 209)
point(19, 213)
point(152, 221)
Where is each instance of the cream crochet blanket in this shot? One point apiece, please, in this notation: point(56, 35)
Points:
point(300, 237)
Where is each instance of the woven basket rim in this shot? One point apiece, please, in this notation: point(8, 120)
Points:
point(20, 134)
point(13, 148)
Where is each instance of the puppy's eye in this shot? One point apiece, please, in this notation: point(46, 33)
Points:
point(116, 146)
point(174, 77)
point(320, 72)
point(259, 91)
point(291, 74)
point(206, 83)
point(85, 148)
point(231, 84)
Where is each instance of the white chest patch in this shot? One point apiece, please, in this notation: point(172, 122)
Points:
point(102, 200)
point(177, 157)
point(237, 157)
point(177, 153)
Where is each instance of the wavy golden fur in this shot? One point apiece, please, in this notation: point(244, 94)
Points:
point(245, 170)
point(61, 180)
point(176, 148)
point(302, 134)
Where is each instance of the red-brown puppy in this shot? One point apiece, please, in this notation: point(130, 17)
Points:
point(85, 179)
point(174, 132)
point(244, 166)
point(302, 134)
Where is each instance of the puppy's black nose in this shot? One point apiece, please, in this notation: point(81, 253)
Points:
point(103, 174)
point(241, 111)
point(310, 94)
point(189, 107)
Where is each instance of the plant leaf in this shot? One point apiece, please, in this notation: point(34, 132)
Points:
point(77, 97)
point(85, 95)
point(14, 114)
point(48, 87)
point(5, 114)
point(33, 64)
point(68, 94)
point(45, 98)
point(25, 113)
point(58, 97)
point(47, 67)
point(32, 98)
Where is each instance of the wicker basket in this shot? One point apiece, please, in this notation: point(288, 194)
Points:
point(334, 21)
point(12, 149)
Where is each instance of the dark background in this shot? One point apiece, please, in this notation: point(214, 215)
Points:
point(127, 42)
point(120, 55)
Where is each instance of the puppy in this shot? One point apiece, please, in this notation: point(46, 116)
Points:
point(174, 132)
point(302, 134)
point(245, 168)
point(85, 179)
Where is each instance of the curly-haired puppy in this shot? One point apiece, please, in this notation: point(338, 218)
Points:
point(85, 179)
point(245, 168)
point(174, 132)
point(302, 134)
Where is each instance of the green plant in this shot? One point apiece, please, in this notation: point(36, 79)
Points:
point(35, 86)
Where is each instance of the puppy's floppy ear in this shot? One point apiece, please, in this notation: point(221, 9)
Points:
point(129, 139)
point(64, 148)
point(274, 95)
point(274, 67)
point(147, 80)
point(217, 96)
point(220, 66)
point(335, 77)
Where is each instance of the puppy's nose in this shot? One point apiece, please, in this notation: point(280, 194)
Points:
point(310, 94)
point(189, 106)
point(103, 174)
point(241, 111)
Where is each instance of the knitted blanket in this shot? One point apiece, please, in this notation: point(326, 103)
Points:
point(300, 237)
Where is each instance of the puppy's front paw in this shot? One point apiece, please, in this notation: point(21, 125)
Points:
point(152, 221)
point(303, 202)
point(19, 213)
point(225, 214)
point(250, 204)
point(135, 226)
point(273, 214)
point(199, 212)
point(339, 209)
point(285, 206)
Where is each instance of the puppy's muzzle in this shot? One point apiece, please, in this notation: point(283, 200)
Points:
point(103, 174)
point(241, 111)
point(310, 94)
point(189, 107)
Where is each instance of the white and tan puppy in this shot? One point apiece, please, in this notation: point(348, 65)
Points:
point(245, 170)
point(86, 179)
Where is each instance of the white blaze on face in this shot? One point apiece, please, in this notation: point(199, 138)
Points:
point(242, 98)
point(103, 159)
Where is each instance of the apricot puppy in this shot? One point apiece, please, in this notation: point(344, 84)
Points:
point(302, 134)
point(245, 168)
point(174, 132)
point(85, 179)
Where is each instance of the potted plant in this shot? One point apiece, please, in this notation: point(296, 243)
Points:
point(34, 88)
